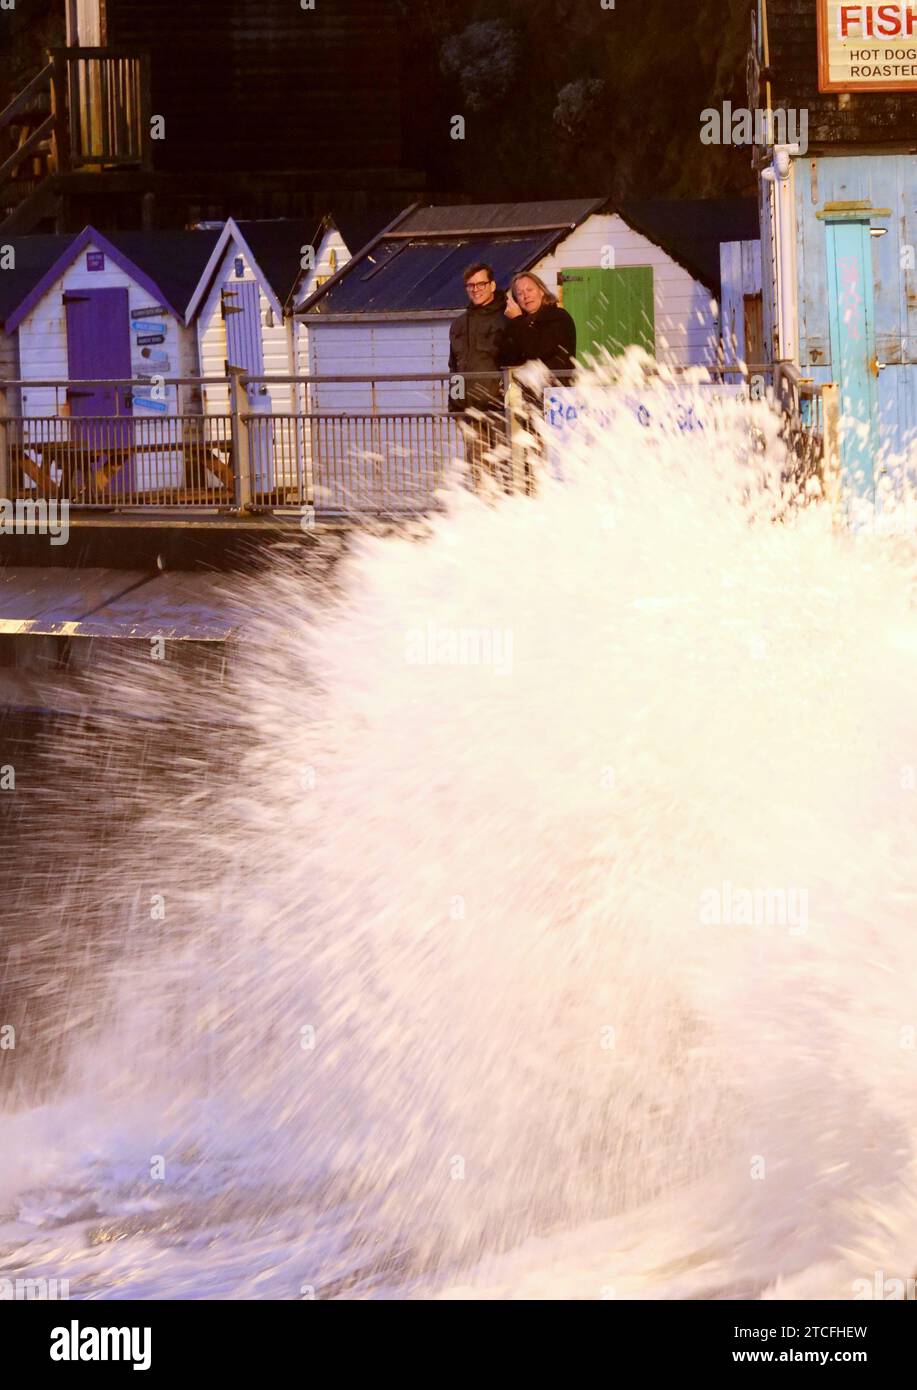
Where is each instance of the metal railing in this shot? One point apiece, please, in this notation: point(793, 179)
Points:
point(340, 462)
point(211, 444)
point(111, 461)
point(241, 443)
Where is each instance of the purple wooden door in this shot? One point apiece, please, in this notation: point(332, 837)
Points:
point(99, 348)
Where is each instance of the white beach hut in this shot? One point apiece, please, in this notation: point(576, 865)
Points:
point(256, 275)
point(105, 308)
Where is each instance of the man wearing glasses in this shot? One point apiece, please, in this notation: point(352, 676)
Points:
point(476, 345)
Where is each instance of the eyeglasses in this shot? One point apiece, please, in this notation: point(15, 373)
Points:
point(477, 284)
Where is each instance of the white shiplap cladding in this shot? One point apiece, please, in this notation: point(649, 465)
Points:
point(740, 275)
point(43, 335)
point(332, 254)
point(9, 369)
point(211, 332)
point(418, 346)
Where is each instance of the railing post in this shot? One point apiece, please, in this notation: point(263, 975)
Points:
point(241, 443)
point(59, 110)
point(515, 424)
point(5, 470)
point(831, 432)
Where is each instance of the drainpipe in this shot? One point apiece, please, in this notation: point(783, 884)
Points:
point(780, 175)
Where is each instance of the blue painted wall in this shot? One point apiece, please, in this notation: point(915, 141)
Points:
point(885, 181)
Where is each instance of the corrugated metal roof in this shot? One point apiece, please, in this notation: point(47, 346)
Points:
point(414, 276)
point(506, 217)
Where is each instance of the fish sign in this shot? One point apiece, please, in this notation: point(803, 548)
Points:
point(867, 46)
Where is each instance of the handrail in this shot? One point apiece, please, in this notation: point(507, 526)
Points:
point(188, 457)
point(320, 379)
point(16, 158)
point(43, 79)
point(111, 381)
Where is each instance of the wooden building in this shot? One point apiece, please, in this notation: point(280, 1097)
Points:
point(96, 308)
point(181, 110)
point(243, 306)
point(839, 213)
point(107, 308)
point(741, 303)
point(626, 275)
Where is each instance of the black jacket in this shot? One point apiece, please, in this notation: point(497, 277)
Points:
point(476, 344)
point(548, 336)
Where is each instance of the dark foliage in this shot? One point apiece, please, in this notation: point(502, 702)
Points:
point(578, 97)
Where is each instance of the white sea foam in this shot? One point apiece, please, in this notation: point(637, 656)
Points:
point(436, 1003)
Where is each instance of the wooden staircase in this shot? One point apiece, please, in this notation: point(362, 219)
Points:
point(27, 128)
point(87, 110)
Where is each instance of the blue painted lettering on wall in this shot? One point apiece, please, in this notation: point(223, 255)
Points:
point(665, 411)
point(564, 409)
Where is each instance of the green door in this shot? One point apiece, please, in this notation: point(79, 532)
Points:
point(611, 308)
point(851, 316)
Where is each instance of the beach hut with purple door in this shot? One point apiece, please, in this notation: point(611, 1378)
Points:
point(111, 308)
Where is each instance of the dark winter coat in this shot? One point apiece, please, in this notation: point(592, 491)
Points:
point(548, 336)
point(476, 344)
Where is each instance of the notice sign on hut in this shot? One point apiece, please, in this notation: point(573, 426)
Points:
point(867, 47)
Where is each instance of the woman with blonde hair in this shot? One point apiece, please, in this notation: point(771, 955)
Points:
point(539, 330)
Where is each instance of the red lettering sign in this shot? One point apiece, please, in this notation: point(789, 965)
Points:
point(853, 51)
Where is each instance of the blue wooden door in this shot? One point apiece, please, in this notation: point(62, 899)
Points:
point(853, 350)
point(242, 306)
point(99, 348)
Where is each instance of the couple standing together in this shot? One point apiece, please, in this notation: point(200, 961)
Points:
point(500, 329)
point(497, 330)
